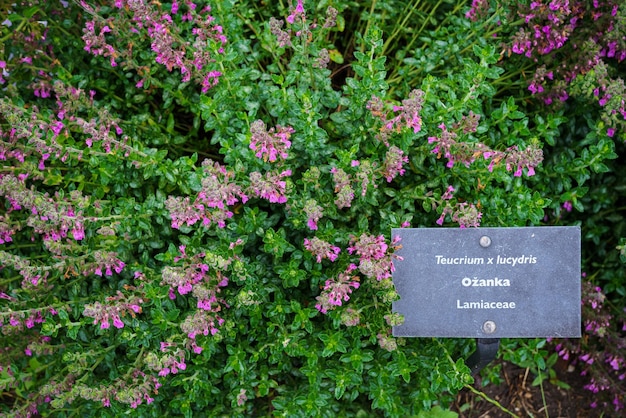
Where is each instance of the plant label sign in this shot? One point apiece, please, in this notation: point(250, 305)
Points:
point(488, 282)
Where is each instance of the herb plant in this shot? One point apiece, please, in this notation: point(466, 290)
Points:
point(197, 198)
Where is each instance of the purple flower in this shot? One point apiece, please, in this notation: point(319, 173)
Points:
point(56, 127)
point(387, 342)
point(272, 144)
point(78, 232)
point(272, 187)
point(297, 12)
point(201, 322)
point(535, 88)
point(448, 193)
point(321, 249)
point(344, 190)
point(211, 204)
point(313, 212)
point(567, 206)
point(479, 8)
point(467, 215)
point(283, 38)
point(115, 306)
point(375, 260)
point(368, 246)
point(210, 80)
point(241, 397)
point(337, 291)
point(117, 322)
point(408, 115)
point(394, 160)
point(350, 317)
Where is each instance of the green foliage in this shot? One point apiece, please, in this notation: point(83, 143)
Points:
point(196, 209)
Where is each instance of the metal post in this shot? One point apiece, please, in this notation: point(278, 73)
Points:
point(486, 351)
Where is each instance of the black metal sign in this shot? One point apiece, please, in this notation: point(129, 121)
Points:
point(488, 282)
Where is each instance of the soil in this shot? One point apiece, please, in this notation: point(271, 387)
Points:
point(517, 394)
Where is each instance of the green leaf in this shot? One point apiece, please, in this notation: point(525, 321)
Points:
point(170, 123)
point(72, 331)
point(599, 167)
point(437, 412)
point(335, 56)
point(63, 315)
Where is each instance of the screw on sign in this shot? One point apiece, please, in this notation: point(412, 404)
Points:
point(489, 327)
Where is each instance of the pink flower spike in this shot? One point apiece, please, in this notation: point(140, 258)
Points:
point(299, 10)
point(117, 322)
point(448, 194)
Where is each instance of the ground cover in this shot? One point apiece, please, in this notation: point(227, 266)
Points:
point(197, 198)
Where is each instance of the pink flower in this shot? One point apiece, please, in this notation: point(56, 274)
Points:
point(272, 144)
point(344, 190)
point(241, 397)
point(448, 194)
point(78, 232)
point(314, 212)
point(298, 11)
point(467, 215)
point(57, 127)
point(272, 187)
point(394, 160)
point(321, 249)
point(368, 246)
point(117, 322)
point(337, 291)
point(210, 80)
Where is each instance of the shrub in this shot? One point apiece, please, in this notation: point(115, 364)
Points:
point(197, 200)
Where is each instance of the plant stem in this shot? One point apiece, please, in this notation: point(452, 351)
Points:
point(490, 400)
point(543, 395)
point(367, 26)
